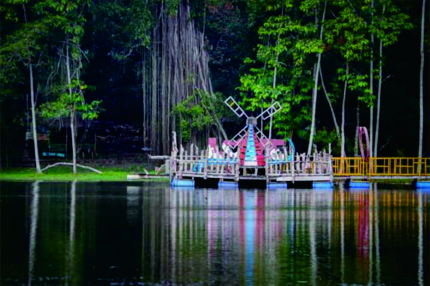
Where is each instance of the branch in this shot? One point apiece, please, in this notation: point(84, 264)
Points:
point(158, 157)
point(70, 164)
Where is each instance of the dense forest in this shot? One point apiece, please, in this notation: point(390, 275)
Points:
point(123, 75)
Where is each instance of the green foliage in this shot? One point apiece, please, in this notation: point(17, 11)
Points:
point(347, 32)
point(64, 104)
point(325, 136)
point(288, 45)
point(198, 112)
point(388, 22)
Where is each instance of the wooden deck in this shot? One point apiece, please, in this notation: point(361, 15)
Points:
point(279, 167)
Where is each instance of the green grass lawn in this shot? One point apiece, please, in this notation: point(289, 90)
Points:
point(64, 173)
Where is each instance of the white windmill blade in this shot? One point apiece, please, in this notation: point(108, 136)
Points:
point(239, 136)
point(270, 111)
point(232, 104)
point(260, 135)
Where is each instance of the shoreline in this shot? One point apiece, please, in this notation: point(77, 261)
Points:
point(65, 174)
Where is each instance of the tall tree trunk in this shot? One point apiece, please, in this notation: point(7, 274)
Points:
point(274, 86)
point(343, 154)
point(33, 107)
point(331, 107)
point(33, 117)
point(420, 148)
point(72, 113)
point(316, 77)
point(372, 39)
point(163, 82)
point(154, 106)
point(356, 129)
point(378, 105)
point(144, 125)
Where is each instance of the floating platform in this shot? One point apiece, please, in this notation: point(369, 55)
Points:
point(182, 183)
point(277, 186)
point(359, 185)
point(277, 168)
point(423, 185)
point(322, 185)
point(249, 156)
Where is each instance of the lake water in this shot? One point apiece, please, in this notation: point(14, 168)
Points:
point(149, 234)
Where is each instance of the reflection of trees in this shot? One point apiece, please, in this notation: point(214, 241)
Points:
point(34, 213)
point(227, 236)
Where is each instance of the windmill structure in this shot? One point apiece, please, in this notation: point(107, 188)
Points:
point(251, 140)
point(242, 159)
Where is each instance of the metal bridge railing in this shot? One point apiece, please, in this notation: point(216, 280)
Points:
point(381, 166)
point(350, 166)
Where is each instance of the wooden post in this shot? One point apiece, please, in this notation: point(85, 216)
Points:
point(314, 163)
point(202, 161)
point(181, 163)
point(185, 161)
point(286, 160)
point(192, 160)
point(206, 164)
point(292, 165)
point(218, 155)
point(224, 156)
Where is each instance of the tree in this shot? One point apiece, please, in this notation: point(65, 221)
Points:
point(281, 70)
point(347, 33)
point(420, 147)
point(316, 77)
point(23, 45)
point(387, 23)
point(69, 19)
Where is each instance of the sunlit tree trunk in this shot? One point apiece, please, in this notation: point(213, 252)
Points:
point(164, 130)
point(420, 148)
point(316, 77)
point(144, 99)
point(356, 129)
point(372, 39)
point(378, 105)
point(154, 106)
point(33, 117)
point(331, 107)
point(72, 113)
point(343, 154)
point(33, 106)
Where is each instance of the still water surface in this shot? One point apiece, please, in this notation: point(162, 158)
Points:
point(149, 234)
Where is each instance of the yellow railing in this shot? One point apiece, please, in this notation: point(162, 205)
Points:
point(381, 166)
point(350, 166)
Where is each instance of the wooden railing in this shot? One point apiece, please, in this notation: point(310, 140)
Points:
point(381, 166)
point(203, 164)
point(283, 163)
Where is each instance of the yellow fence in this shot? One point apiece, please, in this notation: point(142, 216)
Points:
point(381, 166)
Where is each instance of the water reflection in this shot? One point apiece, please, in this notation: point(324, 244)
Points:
point(33, 228)
point(420, 239)
point(113, 234)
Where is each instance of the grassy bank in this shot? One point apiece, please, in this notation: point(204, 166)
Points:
point(64, 173)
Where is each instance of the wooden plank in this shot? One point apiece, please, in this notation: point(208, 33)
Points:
point(304, 178)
